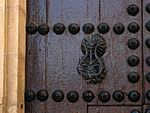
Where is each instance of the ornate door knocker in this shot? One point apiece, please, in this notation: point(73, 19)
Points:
point(91, 66)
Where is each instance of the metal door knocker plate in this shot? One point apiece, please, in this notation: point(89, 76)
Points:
point(91, 65)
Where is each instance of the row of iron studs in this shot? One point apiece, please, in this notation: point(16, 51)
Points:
point(87, 28)
point(88, 96)
point(133, 44)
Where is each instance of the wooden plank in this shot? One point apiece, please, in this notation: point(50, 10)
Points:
point(12, 51)
point(117, 50)
point(2, 48)
point(35, 55)
point(15, 55)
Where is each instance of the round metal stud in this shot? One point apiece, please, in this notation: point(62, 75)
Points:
point(133, 77)
point(72, 96)
point(118, 28)
point(133, 43)
point(31, 28)
point(147, 43)
point(133, 10)
point(148, 94)
point(58, 96)
point(103, 28)
point(73, 28)
point(134, 96)
point(133, 27)
point(147, 111)
point(59, 28)
point(42, 95)
point(88, 28)
point(118, 96)
point(133, 61)
point(135, 111)
point(104, 96)
point(43, 29)
point(88, 96)
point(29, 95)
point(147, 8)
point(148, 77)
point(147, 26)
point(148, 60)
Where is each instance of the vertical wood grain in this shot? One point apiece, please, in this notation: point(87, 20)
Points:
point(113, 109)
point(15, 55)
point(35, 54)
point(12, 54)
point(117, 50)
point(146, 51)
point(2, 49)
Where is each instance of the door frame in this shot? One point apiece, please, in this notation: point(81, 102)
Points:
point(12, 58)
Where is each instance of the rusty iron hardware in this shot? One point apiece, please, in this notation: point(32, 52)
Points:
point(88, 96)
point(135, 111)
point(134, 96)
point(133, 60)
point(133, 27)
point(118, 28)
point(148, 77)
point(58, 96)
point(91, 66)
point(133, 10)
point(74, 28)
point(133, 77)
point(42, 95)
point(147, 111)
point(59, 28)
point(30, 95)
point(147, 43)
point(147, 8)
point(72, 96)
point(118, 96)
point(147, 26)
point(88, 28)
point(148, 60)
point(31, 28)
point(43, 29)
point(103, 28)
point(148, 94)
point(133, 43)
point(104, 96)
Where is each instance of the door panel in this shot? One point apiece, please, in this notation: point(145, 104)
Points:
point(146, 109)
point(35, 55)
point(118, 51)
point(114, 109)
point(84, 53)
point(146, 49)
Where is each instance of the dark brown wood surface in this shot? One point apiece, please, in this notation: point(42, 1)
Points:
point(35, 55)
point(146, 51)
point(51, 60)
point(113, 109)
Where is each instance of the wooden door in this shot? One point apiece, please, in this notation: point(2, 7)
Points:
point(87, 56)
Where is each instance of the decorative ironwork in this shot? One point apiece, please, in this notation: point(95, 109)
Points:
point(91, 66)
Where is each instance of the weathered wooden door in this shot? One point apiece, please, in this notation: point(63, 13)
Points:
point(88, 56)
